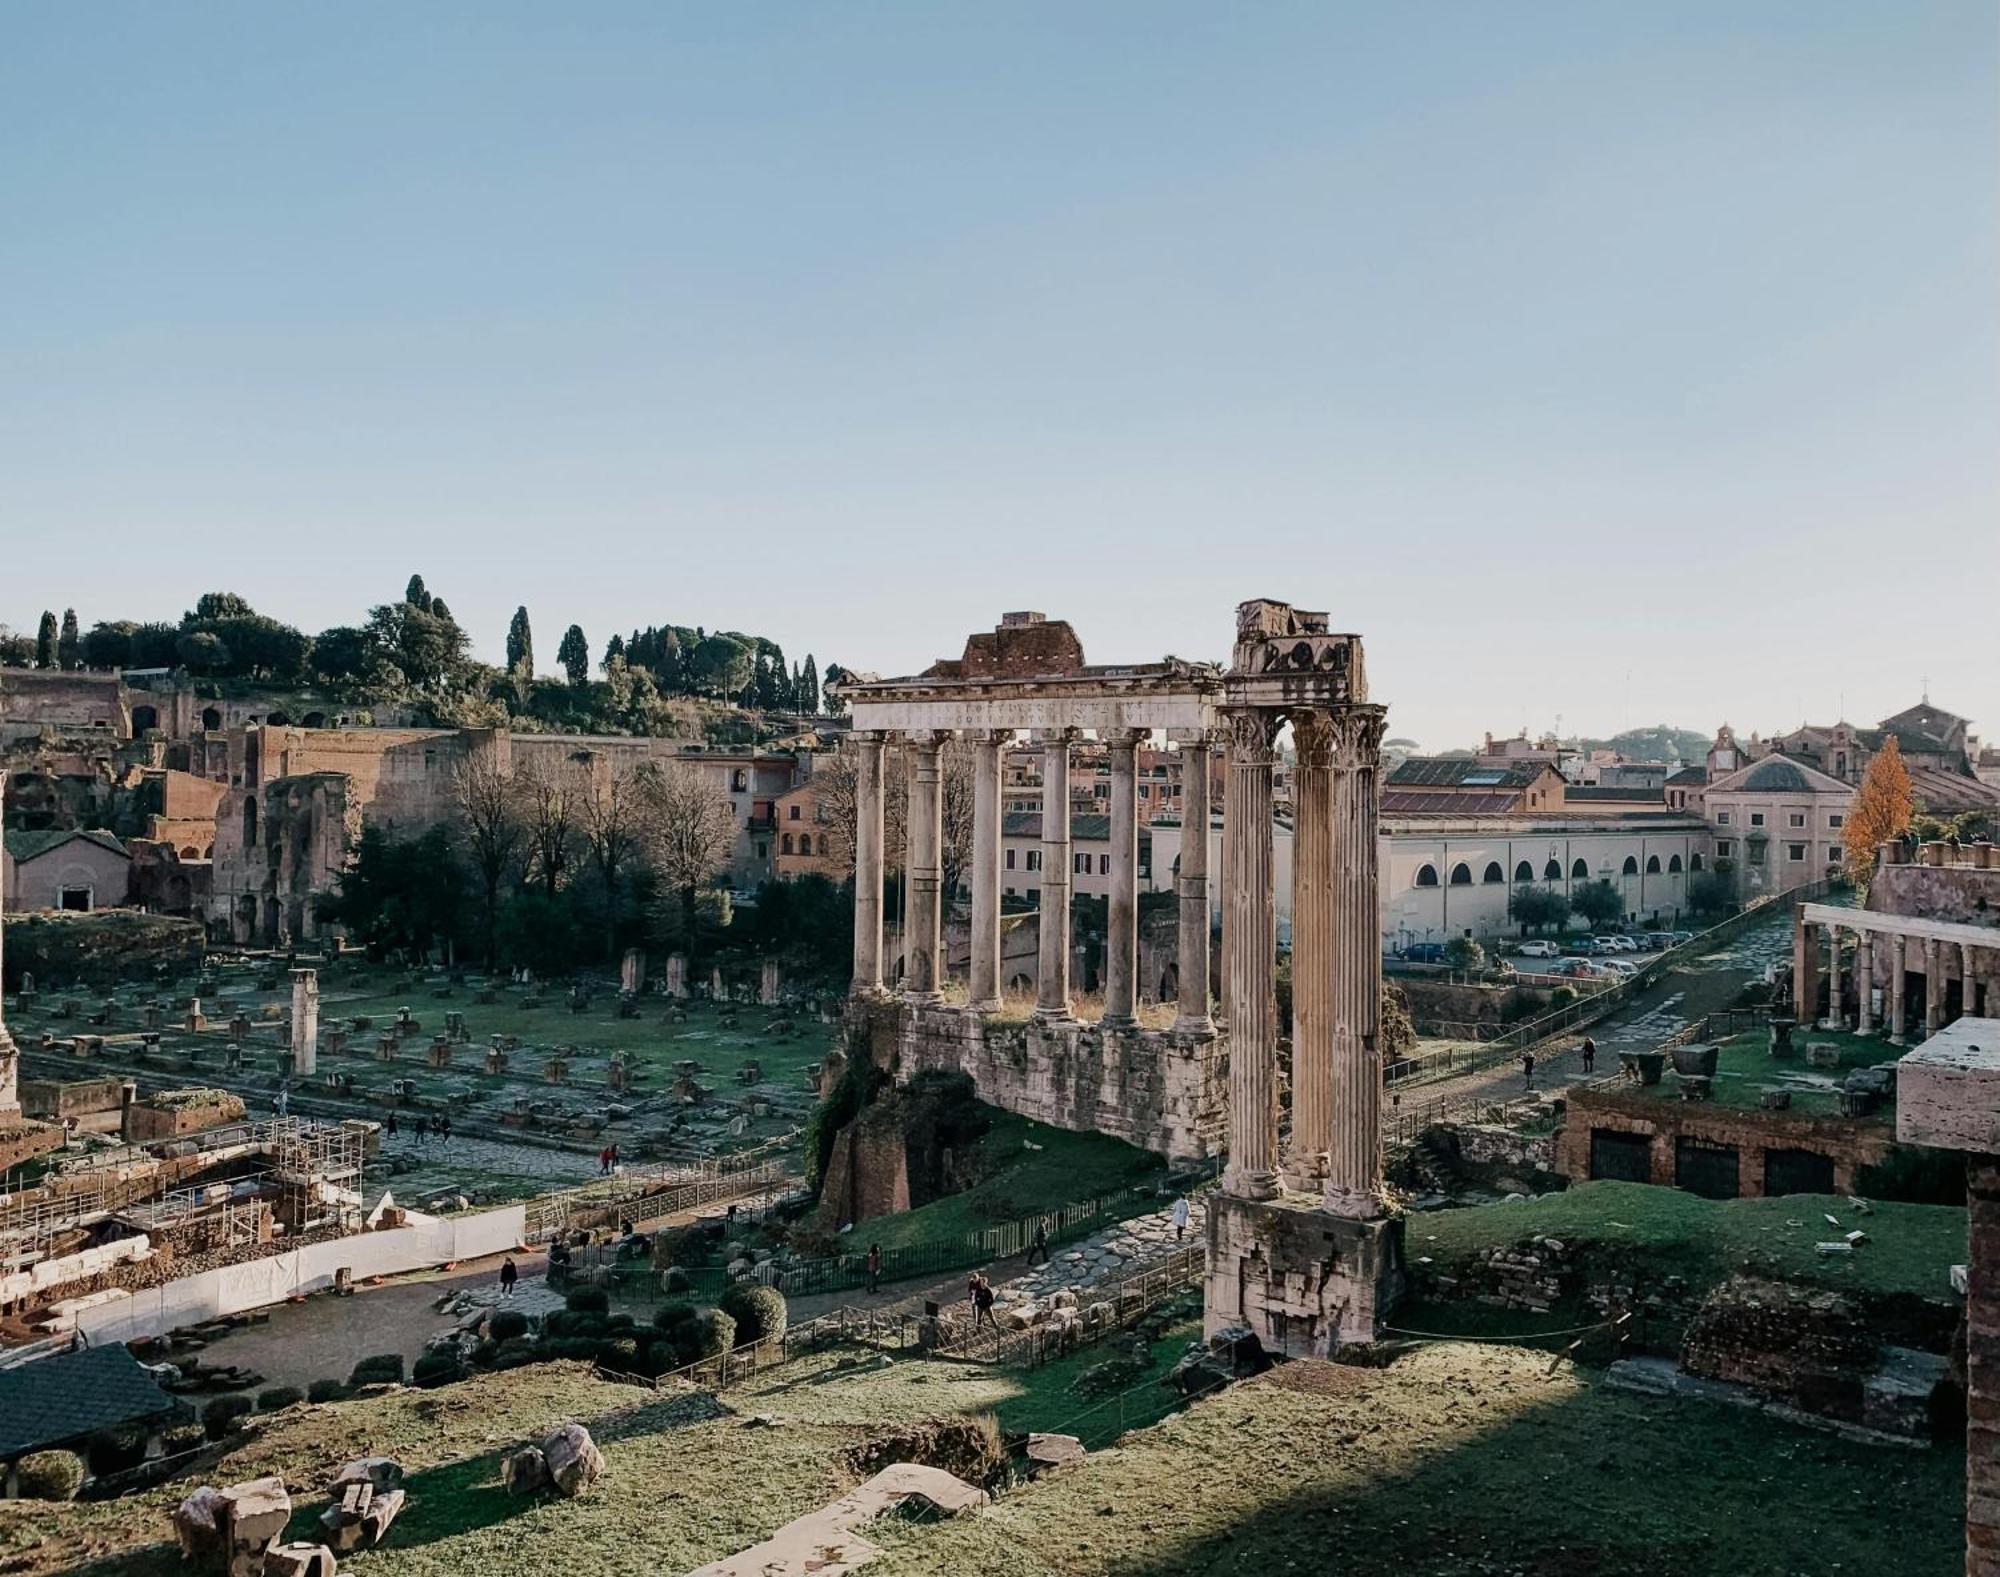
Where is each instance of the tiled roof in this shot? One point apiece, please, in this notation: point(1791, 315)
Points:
point(1778, 775)
point(1432, 802)
point(50, 1401)
point(1465, 772)
point(1689, 776)
point(32, 845)
point(1947, 793)
point(1630, 794)
point(1084, 827)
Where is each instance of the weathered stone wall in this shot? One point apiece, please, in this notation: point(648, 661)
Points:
point(61, 949)
point(1437, 1006)
point(1305, 1280)
point(1960, 894)
point(32, 699)
point(1152, 1088)
point(1850, 1143)
point(97, 1104)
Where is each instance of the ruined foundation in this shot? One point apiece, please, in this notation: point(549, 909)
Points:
point(1305, 1280)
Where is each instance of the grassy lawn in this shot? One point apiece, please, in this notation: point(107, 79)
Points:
point(1030, 1167)
point(1745, 1068)
point(1461, 1459)
point(1910, 1248)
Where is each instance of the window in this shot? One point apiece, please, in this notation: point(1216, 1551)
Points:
point(1755, 850)
point(1833, 854)
point(794, 816)
point(1427, 876)
point(1553, 871)
point(785, 845)
point(1034, 859)
point(1524, 872)
point(1010, 859)
point(1493, 873)
point(1461, 875)
point(1795, 852)
point(1835, 820)
point(73, 898)
point(1579, 870)
point(805, 843)
point(737, 781)
point(1652, 865)
point(762, 850)
point(1081, 864)
point(1103, 864)
point(1694, 860)
point(1722, 818)
point(1756, 818)
point(1796, 819)
point(1722, 848)
point(1630, 867)
point(1674, 865)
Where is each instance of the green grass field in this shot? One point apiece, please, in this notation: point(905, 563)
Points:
point(1910, 1248)
point(1745, 1068)
point(1030, 1167)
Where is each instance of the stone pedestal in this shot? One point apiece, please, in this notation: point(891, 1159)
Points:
point(1305, 1280)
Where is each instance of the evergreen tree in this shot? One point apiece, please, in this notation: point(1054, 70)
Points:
point(521, 645)
point(45, 641)
point(439, 611)
point(775, 693)
point(416, 595)
point(69, 647)
point(616, 648)
point(758, 685)
point(808, 700)
point(574, 655)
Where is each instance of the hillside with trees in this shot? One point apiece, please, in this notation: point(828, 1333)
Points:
point(412, 654)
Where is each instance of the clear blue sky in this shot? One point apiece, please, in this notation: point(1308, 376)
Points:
point(1628, 362)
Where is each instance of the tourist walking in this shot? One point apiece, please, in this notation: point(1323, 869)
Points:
point(982, 1304)
point(390, 1126)
point(1589, 1055)
point(1040, 1245)
point(874, 1267)
point(1180, 1218)
point(509, 1274)
point(1527, 1070)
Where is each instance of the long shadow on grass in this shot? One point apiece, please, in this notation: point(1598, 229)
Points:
point(1597, 1483)
point(444, 1502)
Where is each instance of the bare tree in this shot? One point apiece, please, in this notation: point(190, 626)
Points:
point(835, 782)
point(488, 805)
point(549, 796)
point(613, 811)
point(690, 830)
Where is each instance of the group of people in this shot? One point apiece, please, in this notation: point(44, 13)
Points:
point(425, 1128)
point(1587, 1051)
point(607, 1160)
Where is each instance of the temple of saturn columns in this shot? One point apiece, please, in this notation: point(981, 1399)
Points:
point(1299, 1246)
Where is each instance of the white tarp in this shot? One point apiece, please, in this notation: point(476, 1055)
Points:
point(424, 1242)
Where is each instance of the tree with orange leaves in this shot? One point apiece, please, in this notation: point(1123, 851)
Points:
point(1880, 811)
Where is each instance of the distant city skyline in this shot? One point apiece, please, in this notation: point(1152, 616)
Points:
point(1611, 363)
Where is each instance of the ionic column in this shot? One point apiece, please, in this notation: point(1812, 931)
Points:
point(984, 993)
point(1898, 982)
point(1191, 887)
point(1313, 944)
point(1933, 987)
point(1354, 1152)
point(1250, 946)
point(1121, 962)
point(1805, 972)
point(867, 862)
point(1834, 1018)
point(1052, 968)
point(924, 844)
point(1864, 982)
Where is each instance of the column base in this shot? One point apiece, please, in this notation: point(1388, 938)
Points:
point(1304, 1174)
point(1195, 1028)
point(1059, 1015)
point(1351, 1205)
point(1122, 1023)
point(986, 1005)
point(1249, 1185)
point(1305, 1281)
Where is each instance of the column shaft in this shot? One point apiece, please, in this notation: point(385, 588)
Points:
point(1191, 886)
point(1898, 985)
point(1121, 963)
point(923, 973)
point(1354, 1159)
point(1250, 945)
point(1933, 987)
point(1864, 982)
point(867, 862)
point(1805, 973)
point(1834, 1016)
point(984, 994)
point(1314, 962)
point(1052, 968)
point(1967, 1003)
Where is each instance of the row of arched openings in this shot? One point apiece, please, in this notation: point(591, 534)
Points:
point(805, 844)
point(1524, 872)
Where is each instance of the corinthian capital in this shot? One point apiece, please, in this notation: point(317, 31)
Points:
point(1358, 732)
point(1252, 731)
point(1313, 738)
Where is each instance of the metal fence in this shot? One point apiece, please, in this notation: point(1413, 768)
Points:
point(649, 1193)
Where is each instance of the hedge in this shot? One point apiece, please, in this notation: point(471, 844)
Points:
point(382, 1369)
point(51, 1475)
point(221, 1415)
point(759, 1312)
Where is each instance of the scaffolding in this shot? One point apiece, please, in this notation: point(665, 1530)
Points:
point(317, 1167)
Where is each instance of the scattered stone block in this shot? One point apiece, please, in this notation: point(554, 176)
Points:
point(300, 1560)
point(1050, 1453)
point(1822, 1054)
point(524, 1472)
point(574, 1462)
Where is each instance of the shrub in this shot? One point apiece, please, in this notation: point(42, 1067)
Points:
point(51, 1475)
point(570, 1322)
point(483, 1353)
point(621, 1322)
point(382, 1369)
point(276, 1397)
point(440, 1366)
point(515, 1353)
point(970, 1447)
point(326, 1390)
point(221, 1415)
point(671, 1317)
point(656, 1356)
point(580, 1349)
point(505, 1324)
point(759, 1312)
point(673, 1279)
point(712, 1334)
point(115, 1450)
point(184, 1437)
point(620, 1354)
point(588, 1300)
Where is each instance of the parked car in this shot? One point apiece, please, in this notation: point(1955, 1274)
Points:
point(1657, 941)
point(1424, 953)
point(1623, 968)
point(1574, 968)
point(1617, 944)
point(1541, 947)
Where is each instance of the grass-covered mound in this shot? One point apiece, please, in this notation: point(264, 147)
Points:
point(1461, 1459)
point(1666, 1232)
